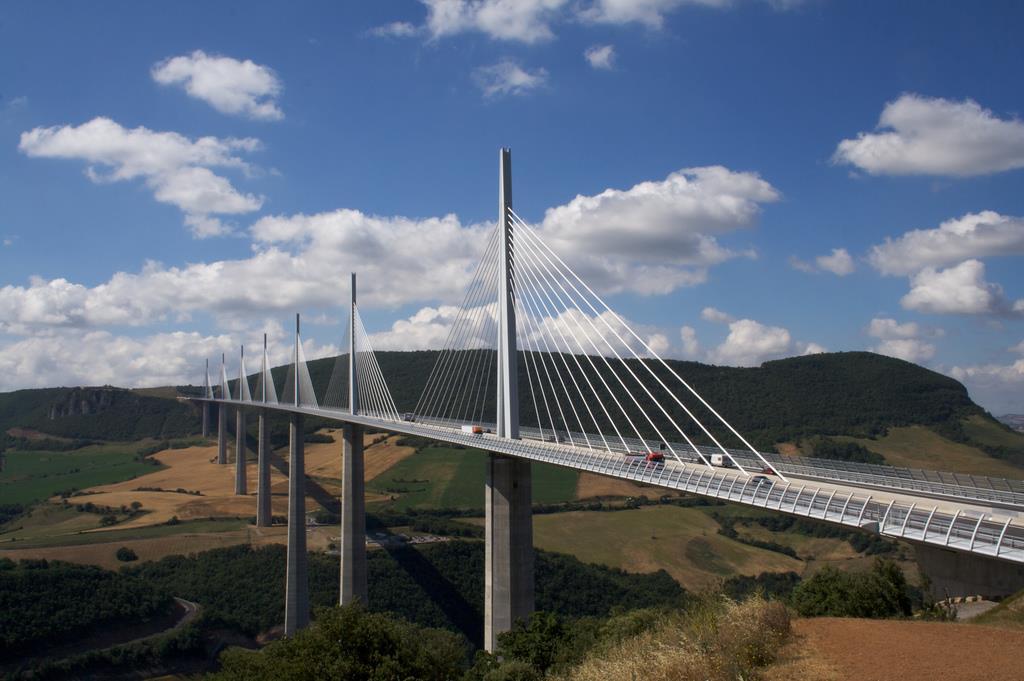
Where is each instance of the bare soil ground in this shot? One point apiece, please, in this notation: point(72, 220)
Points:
point(835, 649)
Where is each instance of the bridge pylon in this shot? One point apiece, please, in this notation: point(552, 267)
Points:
point(296, 607)
point(222, 417)
point(352, 569)
point(264, 517)
point(508, 496)
point(241, 484)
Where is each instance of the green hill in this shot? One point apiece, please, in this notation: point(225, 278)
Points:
point(849, 394)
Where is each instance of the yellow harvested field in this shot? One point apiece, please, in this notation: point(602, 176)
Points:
point(592, 485)
point(155, 548)
point(195, 469)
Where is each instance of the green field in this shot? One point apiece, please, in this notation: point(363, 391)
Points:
point(454, 478)
point(55, 526)
point(682, 541)
point(921, 447)
point(30, 476)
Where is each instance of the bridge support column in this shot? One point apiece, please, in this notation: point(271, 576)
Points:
point(508, 581)
point(264, 515)
point(222, 434)
point(241, 486)
point(353, 518)
point(205, 407)
point(953, 573)
point(296, 606)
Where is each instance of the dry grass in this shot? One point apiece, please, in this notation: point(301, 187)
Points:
point(195, 468)
point(717, 640)
point(103, 554)
point(591, 486)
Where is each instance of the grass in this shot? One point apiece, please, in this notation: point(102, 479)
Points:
point(1008, 614)
point(42, 536)
point(920, 447)
point(986, 432)
point(683, 541)
point(31, 476)
point(454, 478)
point(715, 640)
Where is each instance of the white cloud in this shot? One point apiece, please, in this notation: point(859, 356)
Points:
point(102, 358)
point(812, 349)
point(508, 78)
point(932, 136)
point(228, 85)
point(657, 236)
point(961, 289)
point(8, 241)
point(1019, 348)
point(396, 29)
point(174, 167)
point(296, 258)
point(910, 349)
point(600, 56)
point(527, 21)
point(838, 263)
point(1000, 387)
point(974, 235)
point(691, 346)
point(650, 13)
point(712, 314)
point(750, 343)
point(891, 329)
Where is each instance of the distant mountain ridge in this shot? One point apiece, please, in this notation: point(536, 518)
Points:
point(847, 393)
point(1015, 421)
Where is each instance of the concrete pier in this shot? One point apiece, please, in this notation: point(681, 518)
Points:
point(264, 514)
point(241, 486)
point(953, 573)
point(205, 408)
point(222, 434)
point(353, 518)
point(296, 601)
point(508, 567)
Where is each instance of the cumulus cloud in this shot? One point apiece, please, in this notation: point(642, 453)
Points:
point(961, 289)
point(919, 135)
point(889, 329)
point(174, 167)
point(600, 56)
point(750, 343)
point(999, 386)
point(690, 344)
point(910, 349)
point(100, 357)
point(839, 263)
point(712, 314)
point(228, 85)
point(508, 78)
point(396, 29)
point(974, 235)
point(657, 236)
point(527, 21)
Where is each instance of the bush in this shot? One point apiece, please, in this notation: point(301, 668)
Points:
point(350, 643)
point(126, 555)
point(881, 592)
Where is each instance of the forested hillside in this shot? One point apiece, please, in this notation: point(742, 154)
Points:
point(857, 394)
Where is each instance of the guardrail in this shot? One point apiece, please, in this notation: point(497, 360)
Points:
point(975, 532)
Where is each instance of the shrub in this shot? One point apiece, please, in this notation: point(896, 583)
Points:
point(881, 592)
point(126, 555)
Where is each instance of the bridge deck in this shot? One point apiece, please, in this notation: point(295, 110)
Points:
point(977, 520)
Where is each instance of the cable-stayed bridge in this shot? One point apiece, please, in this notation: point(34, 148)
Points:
point(537, 367)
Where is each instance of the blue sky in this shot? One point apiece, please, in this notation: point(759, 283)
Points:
point(745, 179)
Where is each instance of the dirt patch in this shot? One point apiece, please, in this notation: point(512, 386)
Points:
point(29, 434)
point(591, 485)
point(788, 449)
point(879, 650)
point(383, 456)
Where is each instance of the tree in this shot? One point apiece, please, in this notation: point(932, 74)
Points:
point(126, 555)
point(880, 592)
point(350, 644)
